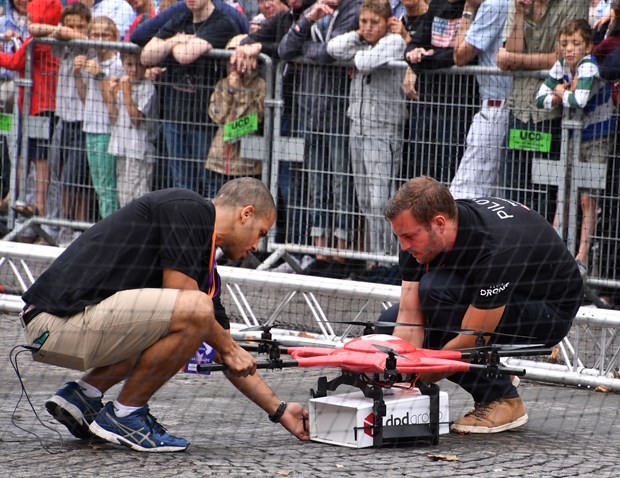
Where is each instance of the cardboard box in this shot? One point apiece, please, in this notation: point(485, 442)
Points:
point(203, 356)
point(346, 419)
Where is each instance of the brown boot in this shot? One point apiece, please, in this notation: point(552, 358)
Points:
point(498, 416)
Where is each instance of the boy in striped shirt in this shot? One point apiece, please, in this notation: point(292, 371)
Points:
point(574, 82)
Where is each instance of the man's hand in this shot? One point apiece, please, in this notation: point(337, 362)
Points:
point(416, 55)
point(321, 8)
point(244, 57)
point(113, 86)
point(522, 6)
point(239, 362)
point(607, 19)
point(503, 59)
point(10, 34)
point(409, 85)
point(180, 39)
point(93, 67)
point(295, 420)
point(79, 63)
point(154, 73)
point(397, 27)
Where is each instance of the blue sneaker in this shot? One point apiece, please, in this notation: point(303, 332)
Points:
point(73, 409)
point(138, 430)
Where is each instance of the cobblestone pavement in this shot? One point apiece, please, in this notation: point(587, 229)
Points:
point(572, 432)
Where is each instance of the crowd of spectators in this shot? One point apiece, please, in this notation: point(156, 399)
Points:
point(123, 124)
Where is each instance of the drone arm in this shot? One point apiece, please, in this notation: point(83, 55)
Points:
point(500, 370)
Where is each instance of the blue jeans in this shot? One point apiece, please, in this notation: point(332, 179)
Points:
point(437, 140)
point(187, 146)
point(330, 184)
point(289, 197)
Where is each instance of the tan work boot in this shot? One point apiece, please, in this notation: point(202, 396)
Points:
point(498, 416)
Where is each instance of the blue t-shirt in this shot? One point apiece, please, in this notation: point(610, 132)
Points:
point(486, 34)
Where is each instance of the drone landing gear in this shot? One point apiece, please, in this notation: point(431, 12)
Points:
point(384, 434)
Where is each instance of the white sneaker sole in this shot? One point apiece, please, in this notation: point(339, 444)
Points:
point(69, 415)
point(519, 422)
point(95, 429)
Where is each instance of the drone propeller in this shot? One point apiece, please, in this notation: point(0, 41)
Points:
point(481, 333)
point(478, 333)
point(262, 328)
point(388, 350)
point(506, 347)
point(369, 327)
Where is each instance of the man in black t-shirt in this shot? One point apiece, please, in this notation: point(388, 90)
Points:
point(187, 83)
point(484, 264)
point(135, 296)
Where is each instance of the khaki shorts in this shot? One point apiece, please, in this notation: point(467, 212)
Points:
point(593, 151)
point(119, 327)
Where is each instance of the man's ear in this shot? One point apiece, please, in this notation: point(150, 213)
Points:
point(440, 221)
point(246, 213)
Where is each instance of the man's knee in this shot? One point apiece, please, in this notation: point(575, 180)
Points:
point(193, 307)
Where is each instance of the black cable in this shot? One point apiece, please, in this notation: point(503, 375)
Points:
point(13, 359)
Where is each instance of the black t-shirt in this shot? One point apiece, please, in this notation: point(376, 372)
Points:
point(503, 248)
point(188, 87)
point(412, 23)
point(129, 249)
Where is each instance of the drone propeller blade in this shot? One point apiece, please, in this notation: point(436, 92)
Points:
point(388, 350)
point(504, 347)
point(482, 333)
point(380, 323)
point(384, 349)
point(478, 333)
point(257, 340)
point(351, 322)
point(262, 328)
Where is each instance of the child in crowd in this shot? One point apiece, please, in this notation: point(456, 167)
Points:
point(377, 111)
point(93, 87)
point(69, 175)
point(236, 96)
point(42, 101)
point(134, 133)
point(574, 82)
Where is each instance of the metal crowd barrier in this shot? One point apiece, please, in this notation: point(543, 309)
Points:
point(589, 356)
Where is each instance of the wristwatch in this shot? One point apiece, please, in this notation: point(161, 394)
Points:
point(275, 418)
point(468, 15)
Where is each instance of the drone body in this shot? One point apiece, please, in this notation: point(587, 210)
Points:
point(367, 354)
